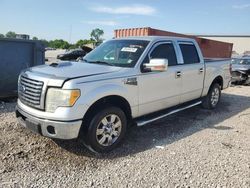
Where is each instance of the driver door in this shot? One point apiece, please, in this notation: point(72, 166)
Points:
point(160, 90)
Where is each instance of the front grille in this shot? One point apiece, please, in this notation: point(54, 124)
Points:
point(29, 91)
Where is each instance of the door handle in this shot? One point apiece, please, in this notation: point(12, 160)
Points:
point(201, 70)
point(178, 74)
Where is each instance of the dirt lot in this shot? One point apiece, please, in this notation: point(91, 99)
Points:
point(195, 148)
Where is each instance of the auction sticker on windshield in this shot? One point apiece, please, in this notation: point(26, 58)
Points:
point(128, 49)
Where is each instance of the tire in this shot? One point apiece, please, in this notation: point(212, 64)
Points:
point(111, 123)
point(213, 97)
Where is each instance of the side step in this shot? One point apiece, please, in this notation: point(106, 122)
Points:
point(145, 121)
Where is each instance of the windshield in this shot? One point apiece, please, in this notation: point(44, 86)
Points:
point(236, 61)
point(245, 62)
point(123, 53)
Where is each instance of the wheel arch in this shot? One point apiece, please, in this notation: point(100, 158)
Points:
point(206, 102)
point(218, 80)
point(114, 100)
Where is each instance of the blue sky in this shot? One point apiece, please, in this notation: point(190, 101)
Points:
point(51, 19)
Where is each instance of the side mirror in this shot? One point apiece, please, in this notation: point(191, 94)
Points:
point(157, 65)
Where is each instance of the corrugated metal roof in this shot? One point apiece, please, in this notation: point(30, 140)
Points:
point(209, 48)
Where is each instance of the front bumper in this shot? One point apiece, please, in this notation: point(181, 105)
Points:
point(54, 129)
point(238, 76)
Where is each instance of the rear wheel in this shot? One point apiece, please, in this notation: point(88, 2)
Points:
point(213, 97)
point(106, 130)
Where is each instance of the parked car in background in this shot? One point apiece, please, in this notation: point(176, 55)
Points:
point(123, 82)
point(72, 55)
point(241, 70)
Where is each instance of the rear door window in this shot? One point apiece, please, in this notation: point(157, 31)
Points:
point(189, 53)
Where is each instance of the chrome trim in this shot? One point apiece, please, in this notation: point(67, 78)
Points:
point(30, 91)
point(141, 123)
point(31, 81)
point(201, 70)
point(178, 74)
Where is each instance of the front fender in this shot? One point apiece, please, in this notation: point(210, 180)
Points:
point(95, 91)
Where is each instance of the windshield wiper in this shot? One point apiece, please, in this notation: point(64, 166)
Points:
point(100, 62)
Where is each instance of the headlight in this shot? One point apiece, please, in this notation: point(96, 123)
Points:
point(61, 97)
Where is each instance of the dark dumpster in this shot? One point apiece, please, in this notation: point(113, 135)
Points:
point(15, 56)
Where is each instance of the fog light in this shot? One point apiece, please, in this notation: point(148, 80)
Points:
point(51, 129)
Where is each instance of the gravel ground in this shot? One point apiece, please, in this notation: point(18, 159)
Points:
point(194, 148)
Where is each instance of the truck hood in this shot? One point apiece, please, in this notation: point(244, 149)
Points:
point(73, 69)
point(236, 67)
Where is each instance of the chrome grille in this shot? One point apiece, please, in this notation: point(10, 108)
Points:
point(29, 91)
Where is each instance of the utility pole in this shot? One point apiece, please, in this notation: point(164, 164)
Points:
point(70, 33)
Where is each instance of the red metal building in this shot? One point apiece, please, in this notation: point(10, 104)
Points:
point(209, 48)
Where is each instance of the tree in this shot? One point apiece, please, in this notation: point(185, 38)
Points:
point(81, 43)
point(96, 34)
point(45, 42)
point(34, 38)
point(1, 35)
point(59, 43)
point(10, 34)
point(72, 46)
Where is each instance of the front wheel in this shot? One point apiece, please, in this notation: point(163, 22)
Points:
point(106, 130)
point(213, 97)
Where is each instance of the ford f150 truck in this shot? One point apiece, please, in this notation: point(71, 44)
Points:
point(135, 80)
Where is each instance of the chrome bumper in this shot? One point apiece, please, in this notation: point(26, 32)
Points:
point(54, 129)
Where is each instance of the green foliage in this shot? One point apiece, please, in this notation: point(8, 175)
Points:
point(45, 42)
point(81, 43)
point(10, 34)
point(59, 43)
point(72, 46)
point(96, 34)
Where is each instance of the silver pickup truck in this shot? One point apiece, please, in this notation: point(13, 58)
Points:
point(135, 80)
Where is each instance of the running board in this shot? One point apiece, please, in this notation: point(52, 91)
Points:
point(145, 122)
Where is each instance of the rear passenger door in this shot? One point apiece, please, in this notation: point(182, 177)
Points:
point(192, 72)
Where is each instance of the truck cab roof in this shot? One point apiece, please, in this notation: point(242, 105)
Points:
point(157, 38)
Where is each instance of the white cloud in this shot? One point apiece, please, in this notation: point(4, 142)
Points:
point(104, 23)
point(243, 6)
point(133, 9)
